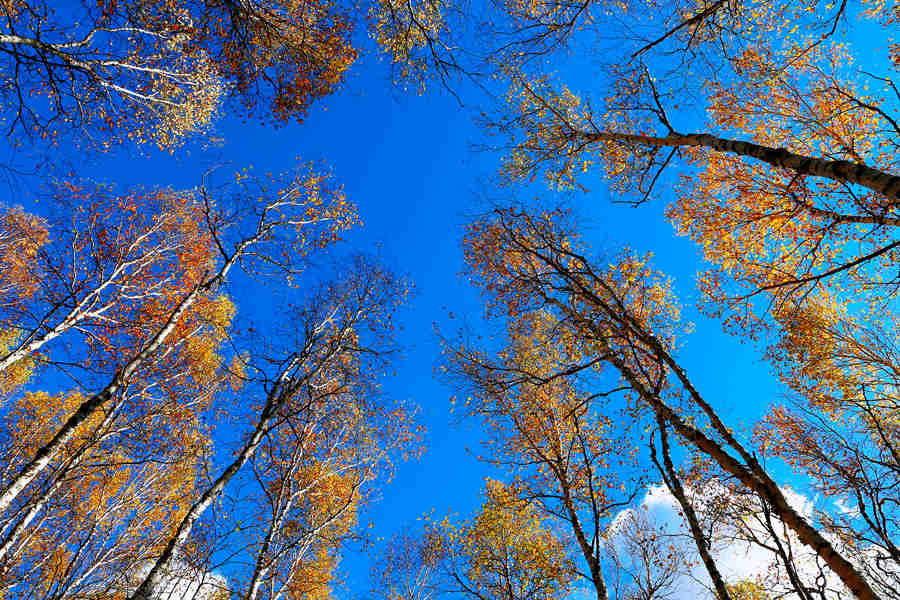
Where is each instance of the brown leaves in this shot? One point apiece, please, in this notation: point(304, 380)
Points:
point(279, 55)
point(160, 72)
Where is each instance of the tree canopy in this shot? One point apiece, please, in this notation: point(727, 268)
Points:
point(192, 378)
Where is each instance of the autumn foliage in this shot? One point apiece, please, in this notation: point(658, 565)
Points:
point(105, 485)
point(190, 396)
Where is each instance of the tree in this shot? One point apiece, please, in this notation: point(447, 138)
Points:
point(77, 283)
point(299, 207)
point(547, 433)
point(111, 495)
point(789, 188)
point(317, 396)
point(647, 564)
point(625, 313)
point(506, 551)
point(159, 72)
point(408, 569)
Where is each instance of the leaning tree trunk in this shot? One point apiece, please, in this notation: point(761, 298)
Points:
point(838, 170)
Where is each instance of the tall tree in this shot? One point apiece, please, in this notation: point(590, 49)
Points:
point(550, 435)
point(507, 551)
point(319, 414)
point(298, 208)
point(627, 315)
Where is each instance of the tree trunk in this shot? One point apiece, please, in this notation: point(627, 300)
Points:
point(670, 477)
point(838, 170)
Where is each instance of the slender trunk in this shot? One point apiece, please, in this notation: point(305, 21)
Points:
point(672, 481)
point(312, 534)
point(259, 571)
point(259, 568)
point(37, 504)
point(839, 170)
point(149, 587)
point(786, 559)
point(586, 548)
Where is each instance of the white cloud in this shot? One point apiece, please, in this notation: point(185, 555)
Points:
point(184, 582)
point(845, 509)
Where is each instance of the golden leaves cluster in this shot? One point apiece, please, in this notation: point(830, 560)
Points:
point(508, 550)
